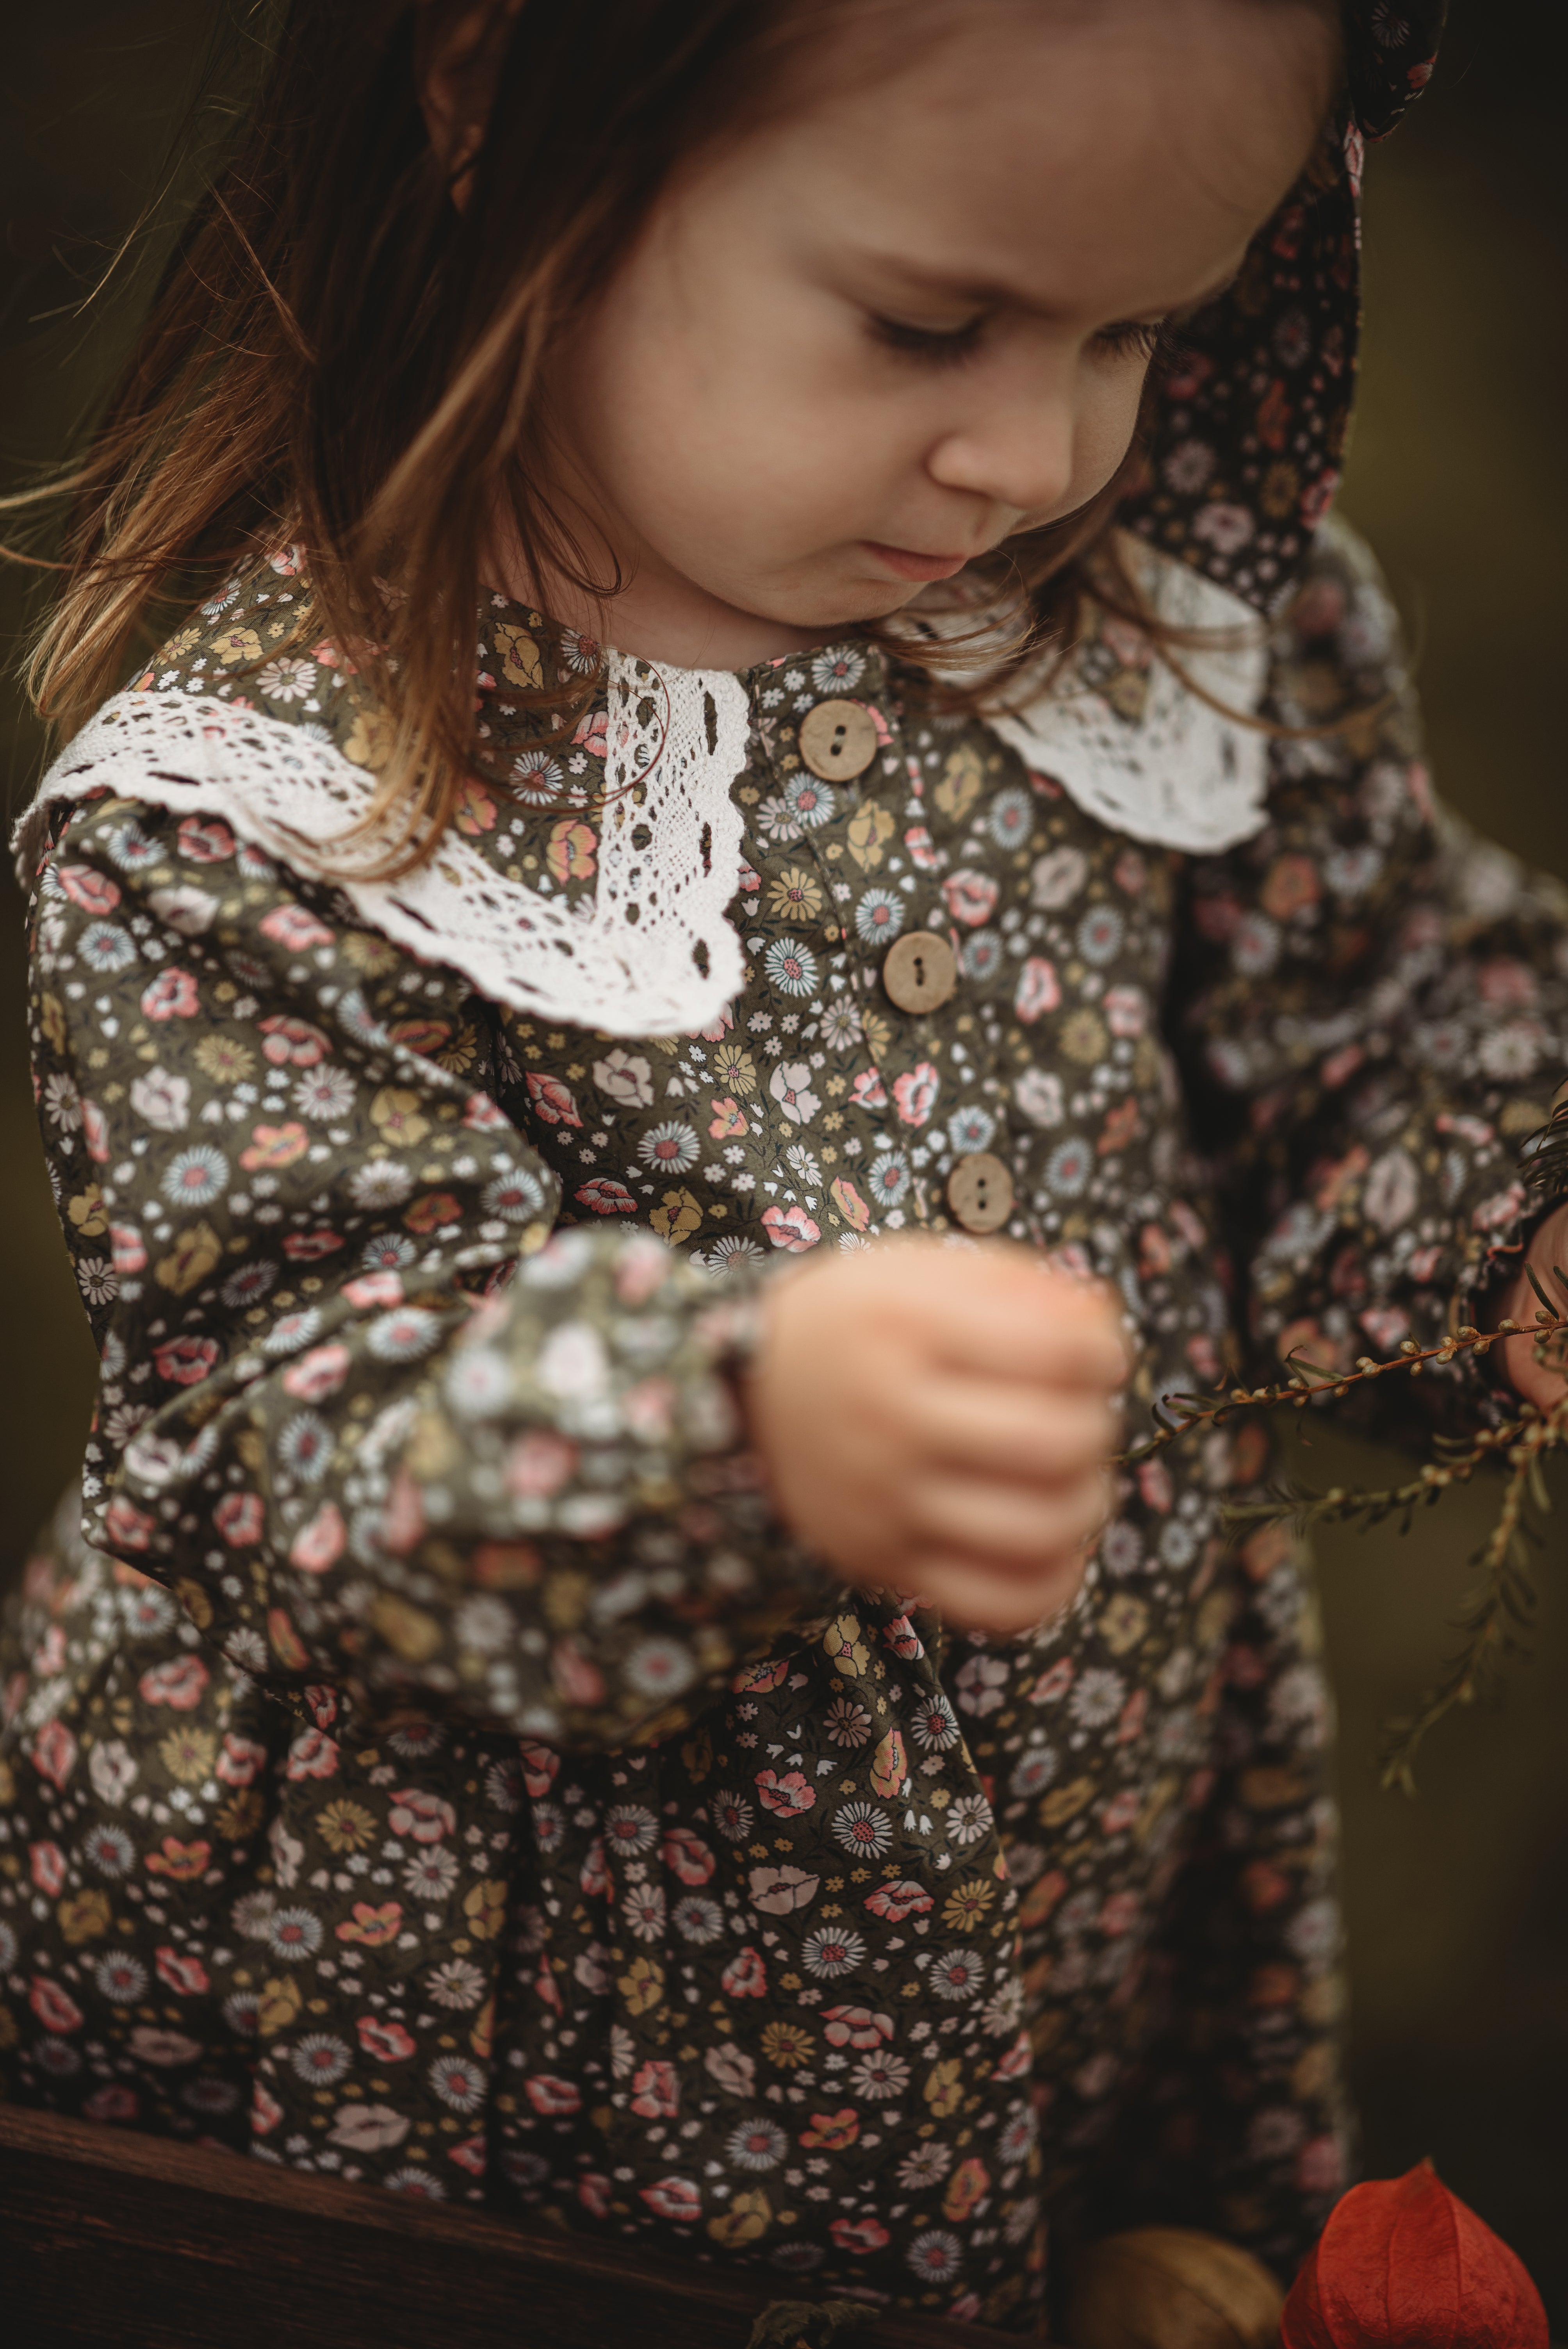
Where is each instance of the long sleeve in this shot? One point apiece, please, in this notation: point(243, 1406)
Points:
point(290, 1191)
point(1371, 1010)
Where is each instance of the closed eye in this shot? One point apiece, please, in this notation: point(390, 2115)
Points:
point(932, 345)
point(1131, 337)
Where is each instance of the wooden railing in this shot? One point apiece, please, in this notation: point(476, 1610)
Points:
point(112, 2240)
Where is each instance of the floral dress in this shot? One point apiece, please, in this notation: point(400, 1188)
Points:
point(432, 1762)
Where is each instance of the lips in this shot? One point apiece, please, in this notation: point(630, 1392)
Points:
point(907, 562)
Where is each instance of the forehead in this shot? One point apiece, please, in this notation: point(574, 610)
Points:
point(1066, 150)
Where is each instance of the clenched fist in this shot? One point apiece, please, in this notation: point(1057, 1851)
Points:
point(940, 1420)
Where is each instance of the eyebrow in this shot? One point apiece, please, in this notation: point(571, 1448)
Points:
point(987, 293)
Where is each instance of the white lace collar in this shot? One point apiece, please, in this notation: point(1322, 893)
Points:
point(653, 952)
point(1181, 774)
point(649, 954)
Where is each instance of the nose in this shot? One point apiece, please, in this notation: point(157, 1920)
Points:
point(1017, 453)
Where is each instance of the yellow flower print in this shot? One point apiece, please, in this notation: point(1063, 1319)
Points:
point(237, 645)
point(368, 953)
point(1067, 1802)
point(280, 2001)
point(644, 1987)
point(369, 742)
point(1083, 1036)
point(195, 1254)
point(735, 1069)
point(871, 829)
point(87, 1212)
point(1123, 1623)
point(962, 776)
point(749, 2215)
point(966, 1904)
point(485, 1909)
point(517, 656)
point(84, 1918)
point(52, 1014)
point(395, 1109)
point(224, 1059)
point(570, 851)
point(844, 1646)
point(346, 1826)
point(786, 2046)
point(407, 1631)
point(794, 895)
point(943, 2089)
point(240, 1815)
point(677, 1217)
point(188, 1754)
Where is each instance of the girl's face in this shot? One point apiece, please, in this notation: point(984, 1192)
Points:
point(911, 316)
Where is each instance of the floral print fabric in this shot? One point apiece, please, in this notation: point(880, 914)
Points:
point(1247, 428)
point(431, 1763)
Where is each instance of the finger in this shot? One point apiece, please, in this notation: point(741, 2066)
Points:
point(970, 1596)
point(1038, 1325)
point(1001, 1428)
point(1009, 1524)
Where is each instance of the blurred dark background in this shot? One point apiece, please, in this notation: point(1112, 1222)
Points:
point(1458, 1902)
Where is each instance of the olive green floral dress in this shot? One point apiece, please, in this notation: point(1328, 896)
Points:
point(433, 1763)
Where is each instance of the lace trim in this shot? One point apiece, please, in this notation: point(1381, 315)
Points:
point(1180, 775)
point(650, 954)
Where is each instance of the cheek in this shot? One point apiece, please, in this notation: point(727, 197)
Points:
point(1107, 420)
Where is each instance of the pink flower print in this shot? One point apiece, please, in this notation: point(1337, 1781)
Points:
point(788, 1795)
point(47, 1866)
point(896, 1901)
point(295, 927)
point(291, 1040)
point(180, 1682)
point(550, 1100)
point(185, 1361)
point(856, 2026)
point(1037, 990)
point(655, 2092)
point(687, 1856)
point(922, 848)
point(791, 1228)
point(673, 2197)
point(915, 1094)
point(859, 2235)
point(602, 1196)
point(424, 1817)
point(55, 1752)
point(54, 2007)
point(553, 2097)
point(385, 2043)
point(868, 1091)
point(745, 1976)
point(172, 995)
point(970, 898)
point(319, 1543)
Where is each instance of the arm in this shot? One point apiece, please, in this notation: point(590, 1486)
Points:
point(287, 1190)
point(1372, 1008)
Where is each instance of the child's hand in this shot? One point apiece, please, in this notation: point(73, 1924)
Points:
point(1538, 1382)
point(940, 1420)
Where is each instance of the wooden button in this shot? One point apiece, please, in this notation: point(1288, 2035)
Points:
point(838, 740)
point(980, 1192)
point(920, 971)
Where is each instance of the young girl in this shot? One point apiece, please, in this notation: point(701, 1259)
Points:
point(603, 1667)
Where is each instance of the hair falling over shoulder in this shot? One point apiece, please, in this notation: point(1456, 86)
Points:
point(342, 357)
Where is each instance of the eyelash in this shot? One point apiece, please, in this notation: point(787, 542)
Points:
point(937, 346)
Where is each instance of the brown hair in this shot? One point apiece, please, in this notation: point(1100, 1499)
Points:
point(341, 355)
